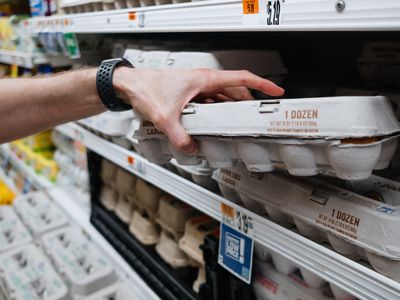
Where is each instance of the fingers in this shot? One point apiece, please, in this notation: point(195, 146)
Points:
point(215, 80)
point(178, 137)
point(238, 93)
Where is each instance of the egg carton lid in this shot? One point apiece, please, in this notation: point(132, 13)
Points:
point(305, 118)
point(24, 283)
point(11, 222)
point(370, 224)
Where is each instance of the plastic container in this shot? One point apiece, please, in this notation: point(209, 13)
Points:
point(39, 213)
point(148, 196)
point(170, 252)
point(26, 273)
point(83, 265)
point(200, 174)
point(355, 226)
point(173, 214)
point(144, 228)
point(300, 135)
point(108, 197)
point(196, 229)
point(13, 233)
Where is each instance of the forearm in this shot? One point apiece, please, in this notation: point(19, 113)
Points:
point(31, 105)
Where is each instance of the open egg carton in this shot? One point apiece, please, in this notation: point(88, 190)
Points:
point(26, 273)
point(271, 283)
point(39, 213)
point(13, 232)
point(347, 137)
point(82, 264)
point(354, 225)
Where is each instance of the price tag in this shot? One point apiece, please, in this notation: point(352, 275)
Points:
point(236, 242)
point(274, 12)
point(136, 164)
point(250, 7)
point(136, 19)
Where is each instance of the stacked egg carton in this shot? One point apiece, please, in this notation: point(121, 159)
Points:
point(355, 226)
point(172, 216)
point(344, 136)
point(26, 273)
point(196, 228)
point(39, 213)
point(143, 223)
point(278, 279)
point(108, 193)
point(73, 175)
point(83, 266)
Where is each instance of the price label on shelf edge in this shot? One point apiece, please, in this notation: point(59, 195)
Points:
point(136, 164)
point(236, 242)
point(262, 12)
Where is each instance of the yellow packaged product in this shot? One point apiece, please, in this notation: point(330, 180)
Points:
point(41, 141)
point(6, 194)
point(49, 169)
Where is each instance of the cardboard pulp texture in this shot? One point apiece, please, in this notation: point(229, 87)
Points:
point(346, 136)
point(287, 267)
point(125, 181)
point(130, 136)
point(13, 233)
point(148, 197)
point(201, 278)
point(108, 172)
point(108, 197)
point(26, 273)
point(196, 229)
point(39, 213)
point(125, 206)
point(84, 267)
point(200, 174)
point(173, 214)
point(144, 228)
point(117, 291)
point(170, 252)
point(355, 226)
point(111, 124)
point(270, 284)
point(379, 63)
point(246, 59)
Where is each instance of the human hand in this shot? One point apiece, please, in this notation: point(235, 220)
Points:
point(160, 96)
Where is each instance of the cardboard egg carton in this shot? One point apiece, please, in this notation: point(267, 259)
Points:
point(200, 174)
point(80, 261)
point(26, 273)
point(355, 226)
point(269, 283)
point(125, 182)
point(246, 59)
point(13, 232)
point(173, 214)
point(125, 206)
point(287, 267)
point(108, 197)
point(39, 213)
point(144, 228)
point(116, 291)
point(148, 197)
point(170, 252)
point(110, 124)
point(379, 63)
point(108, 172)
point(344, 136)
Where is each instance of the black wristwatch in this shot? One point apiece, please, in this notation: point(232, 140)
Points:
point(104, 85)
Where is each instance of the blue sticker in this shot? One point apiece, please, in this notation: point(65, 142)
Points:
point(386, 210)
point(236, 252)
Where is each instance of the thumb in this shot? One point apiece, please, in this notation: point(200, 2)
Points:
point(179, 138)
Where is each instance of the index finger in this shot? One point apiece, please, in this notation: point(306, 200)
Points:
point(217, 79)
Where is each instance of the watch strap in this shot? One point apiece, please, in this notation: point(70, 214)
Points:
point(104, 84)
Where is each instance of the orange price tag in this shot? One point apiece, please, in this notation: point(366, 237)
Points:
point(132, 16)
point(250, 7)
point(131, 160)
point(227, 210)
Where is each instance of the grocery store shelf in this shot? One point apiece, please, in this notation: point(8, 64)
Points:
point(38, 181)
point(8, 181)
point(351, 276)
point(28, 60)
point(140, 288)
point(227, 15)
